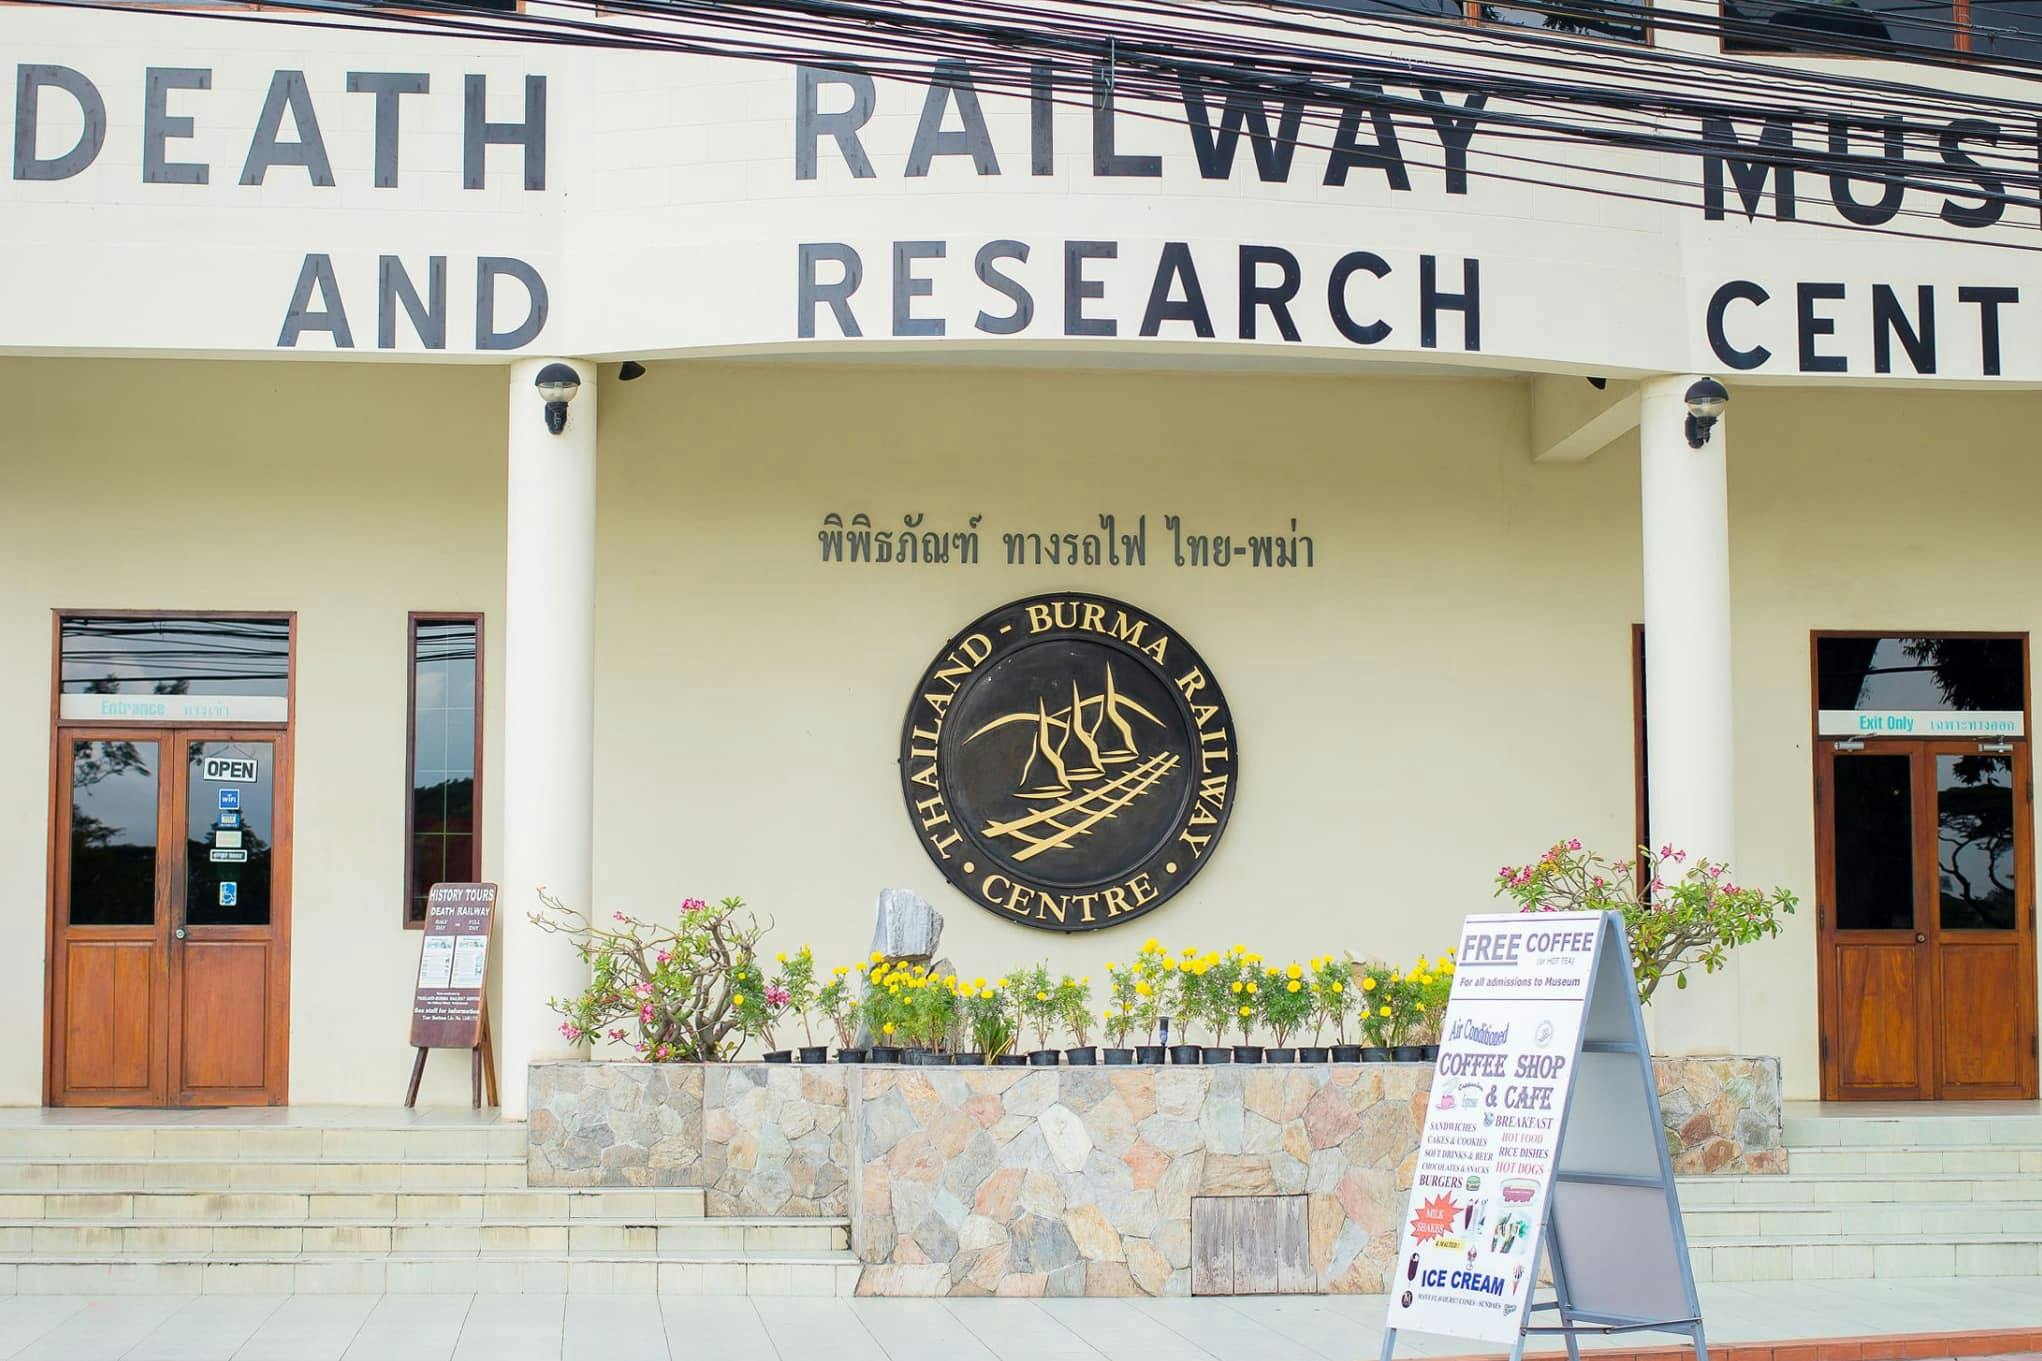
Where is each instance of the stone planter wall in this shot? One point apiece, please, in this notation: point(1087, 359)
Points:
point(1066, 1181)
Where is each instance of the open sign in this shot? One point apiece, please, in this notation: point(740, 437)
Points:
point(228, 769)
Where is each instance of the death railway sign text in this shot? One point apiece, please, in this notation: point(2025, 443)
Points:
point(1069, 762)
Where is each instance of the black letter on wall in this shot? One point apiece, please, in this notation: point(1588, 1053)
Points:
point(808, 292)
point(479, 133)
point(29, 81)
point(487, 337)
point(1737, 290)
point(811, 124)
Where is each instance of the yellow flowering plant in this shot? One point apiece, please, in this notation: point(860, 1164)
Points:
point(1203, 996)
point(1038, 1002)
point(1286, 1002)
point(1155, 976)
point(793, 985)
point(990, 1016)
point(886, 1004)
point(1122, 1002)
point(1383, 1015)
point(1074, 1003)
point(1334, 997)
point(931, 1008)
point(838, 1000)
point(1434, 982)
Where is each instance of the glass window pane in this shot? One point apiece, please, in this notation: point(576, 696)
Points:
point(1619, 20)
point(445, 680)
point(1946, 674)
point(1833, 25)
point(113, 833)
point(1975, 842)
point(175, 670)
point(1874, 812)
point(2007, 28)
point(230, 832)
point(1399, 9)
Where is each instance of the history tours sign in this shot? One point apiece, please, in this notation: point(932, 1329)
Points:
point(449, 1007)
point(1069, 762)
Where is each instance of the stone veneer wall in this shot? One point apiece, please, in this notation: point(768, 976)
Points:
point(1060, 1181)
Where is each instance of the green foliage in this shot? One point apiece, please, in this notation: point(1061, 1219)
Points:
point(1334, 997)
point(838, 1000)
point(792, 990)
point(1074, 1006)
point(1036, 996)
point(1287, 1002)
point(989, 1015)
point(675, 994)
point(1679, 912)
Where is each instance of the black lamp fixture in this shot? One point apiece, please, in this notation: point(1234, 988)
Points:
point(1705, 399)
point(557, 384)
point(629, 370)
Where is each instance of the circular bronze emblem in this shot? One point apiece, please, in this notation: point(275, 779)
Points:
point(1069, 762)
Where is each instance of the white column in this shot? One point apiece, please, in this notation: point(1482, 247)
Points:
point(1686, 519)
point(549, 697)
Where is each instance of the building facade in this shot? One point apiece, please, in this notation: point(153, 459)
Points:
point(296, 561)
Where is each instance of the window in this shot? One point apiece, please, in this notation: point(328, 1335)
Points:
point(444, 781)
point(134, 668)
point(1989, 28)
point(1867, 685)
point(1596, 18)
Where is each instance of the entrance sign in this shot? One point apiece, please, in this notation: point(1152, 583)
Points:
point(1543, 1140)
point(1068, 762)
point(448, 1007)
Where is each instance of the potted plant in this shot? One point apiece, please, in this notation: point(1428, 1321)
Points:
point(1401, 995)
point(795, 983)
point(1434, 992)
point(1074, 1004)
point(1041, 1009)
point(1119, 1016)
point(932, 1008)
point(1208, 1000)
point(1332, 1004)
point(885, 1011)
point(1152, 980)
point(988, 1019)
point(676, 986)
point(838, 1001)
point(1372, 979)
point(1244, 1001)
point(1286, 1008)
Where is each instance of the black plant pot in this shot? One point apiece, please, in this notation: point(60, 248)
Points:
point(1374, 1053)
point(815, 1053)
point(1084, 1056)
point(971, 1060)
point(1215, 1054)
point(850, 1056)
point(1184, 1053)
point(1247, 1053)
point(914, 1057)
point(780, 1056)
point(885, 1053)
point(1043, 1058)
point(1429, 1052)
point(1347, 1053)
point(1279, 1056)
point(1408, 1053)
point(1150, 1053)
point(1119, 1058)
point(1011, 1061)
point(1315, 1053)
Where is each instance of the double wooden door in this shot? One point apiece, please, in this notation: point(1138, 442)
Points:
point(170, 928)
point(1925, 881)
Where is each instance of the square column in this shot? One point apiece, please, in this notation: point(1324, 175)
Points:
point(1685, 507)
point(549, 714)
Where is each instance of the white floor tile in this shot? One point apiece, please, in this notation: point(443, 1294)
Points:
point(209, 1328)
point(513, 1328)
point(103, 1329)
point(805, 1328)
point(715, 1327)
point(24, 1318)
point(612, 1327)
point(411, 1328)
point(309, 1328)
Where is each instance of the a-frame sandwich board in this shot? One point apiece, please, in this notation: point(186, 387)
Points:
point(1543, 1139)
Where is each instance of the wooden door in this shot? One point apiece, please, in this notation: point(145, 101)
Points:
point(230, 920)
point(1924, 881)
point(171, 918)
point(109, 976)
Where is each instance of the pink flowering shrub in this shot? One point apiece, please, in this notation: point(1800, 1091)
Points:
point(684, 993)
point(1679, 911)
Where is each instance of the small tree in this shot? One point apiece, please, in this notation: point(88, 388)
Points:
point(838, 1000)
point(1679, 912)
point(1286, 1005)
point(989, 1012)
point(1333, 995)
point(1074, 1005)
point(794, 984)
point(1155, 979)
point(1123, 1002)
point(1039, 1003)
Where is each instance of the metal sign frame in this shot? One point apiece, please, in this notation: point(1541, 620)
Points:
point(1618, 1095)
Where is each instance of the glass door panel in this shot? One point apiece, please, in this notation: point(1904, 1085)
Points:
point(113, 842)
point(1873, 830)
point(1977, 871)
point(230, 832)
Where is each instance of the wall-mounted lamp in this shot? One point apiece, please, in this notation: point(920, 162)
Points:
point(629, 370)
point(557, 384)
point(1706, 399)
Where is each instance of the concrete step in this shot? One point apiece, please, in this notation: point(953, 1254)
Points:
point(2020, 1124)
point(507, 1205)
point(393, 1143)
point(733, 1237)
point(1911, 1160)
point(1868, 1256)
point(1857, 1189)
point(1917, 1221)
point(289, 1174)
point(639, 1273)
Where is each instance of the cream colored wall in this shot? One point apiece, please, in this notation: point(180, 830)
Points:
point(1907, 511)
point(349, 494)
point(1447, 689)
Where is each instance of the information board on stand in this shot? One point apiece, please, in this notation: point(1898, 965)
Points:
point(1543, 1143)
point(449, 1002)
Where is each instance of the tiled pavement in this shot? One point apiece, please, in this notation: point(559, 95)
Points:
point(651, 1328)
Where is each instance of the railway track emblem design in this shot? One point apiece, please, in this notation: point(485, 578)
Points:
point(1068, 762)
